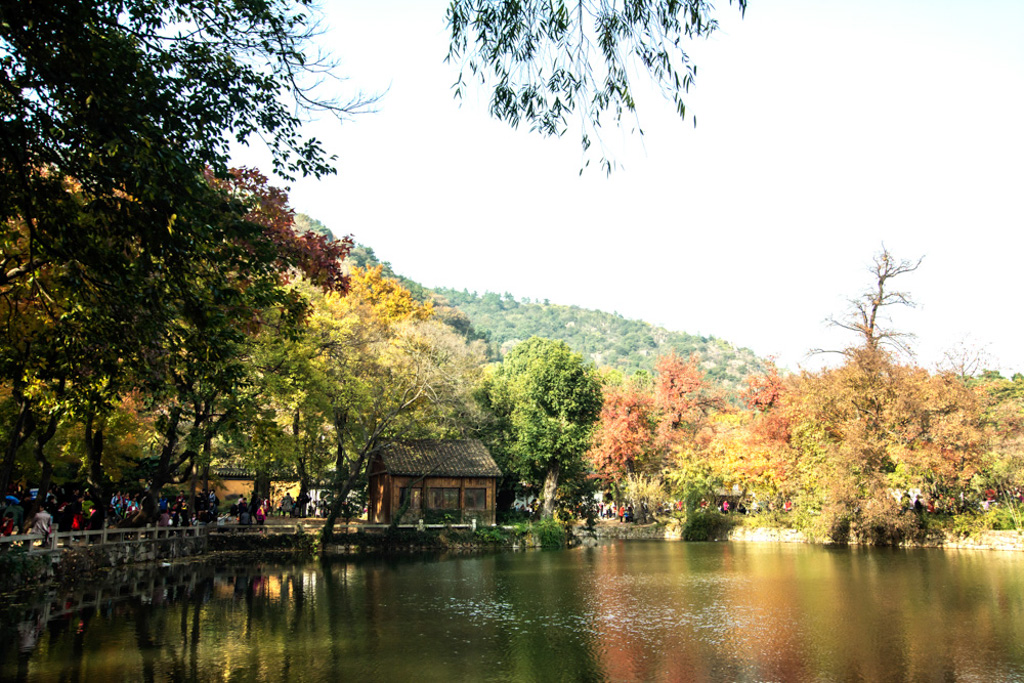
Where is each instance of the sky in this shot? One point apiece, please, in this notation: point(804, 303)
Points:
point(825, 130)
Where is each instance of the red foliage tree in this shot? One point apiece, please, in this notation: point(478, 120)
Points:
point(763, 391)
point(765, 396)
point(624, 434)
point(682, 396)
point(315, 256)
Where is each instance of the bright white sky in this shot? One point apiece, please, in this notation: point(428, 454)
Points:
point(825, 128)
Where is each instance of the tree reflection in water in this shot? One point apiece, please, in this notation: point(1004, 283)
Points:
point(624, 611)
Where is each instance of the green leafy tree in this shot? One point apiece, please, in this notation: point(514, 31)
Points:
point(115, 117)
point(547, 400)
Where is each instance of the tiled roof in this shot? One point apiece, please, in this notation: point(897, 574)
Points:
point(232, 473)
point(467, 458)
point(229, 472)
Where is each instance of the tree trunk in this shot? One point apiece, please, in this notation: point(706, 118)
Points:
point(342, 478)
point(550, 491)
point(207, 457)
point(94, 453)
point(300, 462)
point(340, 424)
point(47, 470)
point(192, 509)
point(23, 427)
point(206, 480)
point(260, 488)
point(168, 469)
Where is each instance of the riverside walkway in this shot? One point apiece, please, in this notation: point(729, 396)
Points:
point(152, 542)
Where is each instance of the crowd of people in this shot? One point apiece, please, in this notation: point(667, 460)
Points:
point(72, 507)
point(64, 508)
point(625, 513)
point(180, 511)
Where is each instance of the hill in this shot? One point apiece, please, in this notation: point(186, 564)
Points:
point(608, 339)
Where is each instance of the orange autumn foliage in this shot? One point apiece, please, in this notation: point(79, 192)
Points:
point(624, 434)
point(683, 397)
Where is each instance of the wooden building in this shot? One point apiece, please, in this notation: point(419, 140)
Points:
point(446, 480)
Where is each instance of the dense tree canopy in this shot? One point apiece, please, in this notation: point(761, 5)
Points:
point(125, 240)
point(606, 339)
point(368, 368)
point(548, 399)
point(624, 437)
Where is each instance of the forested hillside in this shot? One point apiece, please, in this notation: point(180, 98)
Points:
point(608, 339)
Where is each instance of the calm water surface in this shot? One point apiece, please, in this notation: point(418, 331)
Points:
point(633, 611)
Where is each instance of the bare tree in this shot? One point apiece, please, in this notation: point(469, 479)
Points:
point(866, 316)
point(965, 360)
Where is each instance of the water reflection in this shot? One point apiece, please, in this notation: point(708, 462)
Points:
point(626, 612)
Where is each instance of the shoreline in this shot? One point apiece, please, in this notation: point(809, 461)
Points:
point(78, 565)
point(1010, 541)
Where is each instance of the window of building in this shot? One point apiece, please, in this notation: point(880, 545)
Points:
point(417, 495)
point(444, 499)
point(476, 499)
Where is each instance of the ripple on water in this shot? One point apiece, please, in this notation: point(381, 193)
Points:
point(712, 621)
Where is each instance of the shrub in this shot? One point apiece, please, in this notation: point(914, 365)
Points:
point(644, 493)
point(548, 533)
point(509, 517)
point(770, 519)
point(970, 523)
point(832, 522)
point(1007, 516)
point(490, 534)
point(705, 525)
point(431, 516)
point(882, 520)
point(18, 569)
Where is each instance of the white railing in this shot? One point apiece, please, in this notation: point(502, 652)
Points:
point(76, 539)
point(315, 527)
point(37, 543)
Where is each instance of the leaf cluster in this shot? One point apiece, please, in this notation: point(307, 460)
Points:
point(547, 399)
point(547, 61)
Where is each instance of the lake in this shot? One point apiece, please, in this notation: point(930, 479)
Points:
point(625, 611)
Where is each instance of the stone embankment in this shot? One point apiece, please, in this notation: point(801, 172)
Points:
point(674, 532)
point(73, 556)
point(765, 535)
point(986, 540)
point(636, 532)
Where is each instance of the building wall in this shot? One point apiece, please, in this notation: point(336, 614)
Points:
point(230, 490)
point(390, 493)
